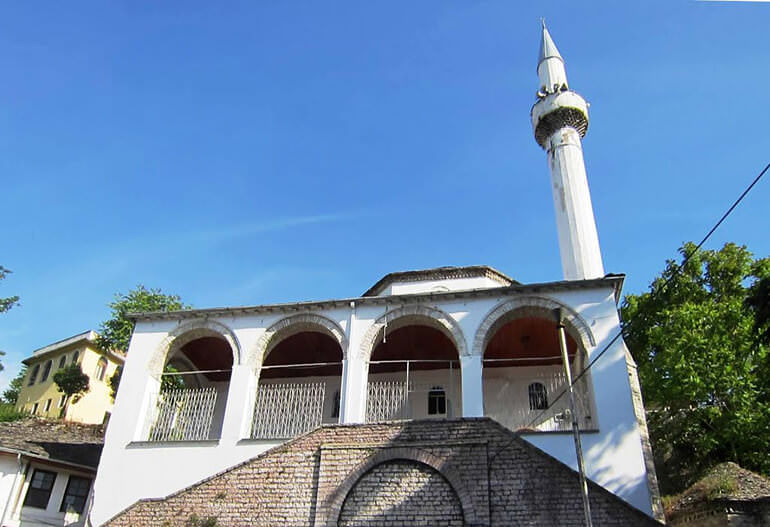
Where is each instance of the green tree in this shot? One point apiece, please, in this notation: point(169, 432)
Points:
point(11, 394)
point(115, 332)
point(695, 343)
point(8, 302)
point(73, 383)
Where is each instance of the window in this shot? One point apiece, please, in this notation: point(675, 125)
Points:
point(33, 375)
point(61, 401)
point(62, 361)
point(75, 357)
point(46, 371)
point(48, 405)
point(76, 494)
point(436, 401)
point(39, 491)
point(538, 397)
point(101, 369)
point(336, 405)
point(34, 408)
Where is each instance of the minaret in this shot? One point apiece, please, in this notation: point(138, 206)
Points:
point(560, 120)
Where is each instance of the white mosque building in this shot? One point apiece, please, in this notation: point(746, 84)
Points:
point(206, 389)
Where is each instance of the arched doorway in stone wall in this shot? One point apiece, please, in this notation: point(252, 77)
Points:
point(401, 491)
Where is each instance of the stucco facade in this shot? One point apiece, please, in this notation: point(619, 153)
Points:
point(612, 441)
point(39, 394)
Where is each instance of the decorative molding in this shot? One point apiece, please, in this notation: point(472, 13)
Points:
point(529, 305)
point(187, 332)
point(291, 325)
point(421, 314)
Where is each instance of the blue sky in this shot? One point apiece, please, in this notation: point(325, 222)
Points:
point(253, 152)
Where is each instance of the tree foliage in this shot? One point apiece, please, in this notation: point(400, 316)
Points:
point(115, 333)
point(72, 382)
point(11, 394)
point(7, 302)
point(700, 357)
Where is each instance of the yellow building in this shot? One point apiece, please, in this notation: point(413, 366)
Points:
point(39, 394)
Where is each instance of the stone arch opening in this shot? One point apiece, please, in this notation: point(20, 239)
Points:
point(523, 376)
point(414, 368)
point(300, 377)
point(401, 491)
point(193, 369)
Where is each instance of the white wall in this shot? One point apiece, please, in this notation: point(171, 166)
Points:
point(613, 454)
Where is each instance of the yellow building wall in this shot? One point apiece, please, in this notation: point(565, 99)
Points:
point(92, 405)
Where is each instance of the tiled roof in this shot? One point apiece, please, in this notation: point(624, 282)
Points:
point(440, 273)
point(65, 442)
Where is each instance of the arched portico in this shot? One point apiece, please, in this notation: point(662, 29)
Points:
point(300, 361)
point(192, 368)
point(413, 365)
point(523, 379)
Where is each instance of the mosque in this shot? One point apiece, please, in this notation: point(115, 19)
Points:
point(437, 397)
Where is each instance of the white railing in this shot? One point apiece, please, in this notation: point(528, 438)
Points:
point(386, 401)
point(507, 401)
point(285, 410)
point(183, 414)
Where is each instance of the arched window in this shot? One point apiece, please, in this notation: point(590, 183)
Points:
point(101, 369)
point(46, 371)
point(62, 361)
point(75, 357)
point(33, 375)
point(437, 401)
point(538, 396)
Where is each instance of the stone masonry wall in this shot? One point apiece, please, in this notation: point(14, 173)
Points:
point(404, 492)
point(327, 477)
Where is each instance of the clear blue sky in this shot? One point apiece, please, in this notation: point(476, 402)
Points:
point(246, 153)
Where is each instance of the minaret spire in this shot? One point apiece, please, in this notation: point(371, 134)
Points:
point(560, 120)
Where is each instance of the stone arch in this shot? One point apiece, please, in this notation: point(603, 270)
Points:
point(536, 306)
point(406, 315)
point(187, 332)
point(337, 499)
point(291, 325)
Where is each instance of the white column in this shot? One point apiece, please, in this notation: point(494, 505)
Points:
point(240, 404)
point(473, 389)
point(578, 241)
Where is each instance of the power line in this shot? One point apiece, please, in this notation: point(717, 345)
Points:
point(654, 292)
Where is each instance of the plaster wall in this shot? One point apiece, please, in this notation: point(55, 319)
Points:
point(9, 468)
point(451, 284)
point(613, 453)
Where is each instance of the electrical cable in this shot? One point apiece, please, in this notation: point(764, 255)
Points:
point(653, 293)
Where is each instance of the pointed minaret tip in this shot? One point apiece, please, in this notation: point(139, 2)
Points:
point(547, 47)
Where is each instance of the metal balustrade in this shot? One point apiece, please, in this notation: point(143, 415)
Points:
point(506, 400)
point(183, 414)
point(285, 410)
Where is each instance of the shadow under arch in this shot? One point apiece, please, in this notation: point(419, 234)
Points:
point(336, 500)
point(292, 325)
point(188, 332)
point(413, 315)
point(531, 306)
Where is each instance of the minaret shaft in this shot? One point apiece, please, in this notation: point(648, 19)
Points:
point(578, 240)
point(560, 120)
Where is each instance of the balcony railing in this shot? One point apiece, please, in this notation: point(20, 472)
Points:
point(506, 399)
point(183, 414)
point(285, 410)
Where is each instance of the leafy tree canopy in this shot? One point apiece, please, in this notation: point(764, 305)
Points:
point(72, 382)
point(7, 302)
point(115, 333)
point(11, 394)
point(698, 345)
